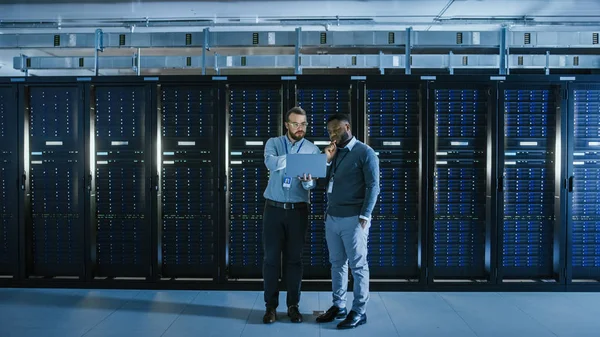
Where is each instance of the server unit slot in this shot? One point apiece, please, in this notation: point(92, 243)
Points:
point(123, 227)
point(188, 195)
point(585, 210)
point(8, 175)
point(255, 115)
point(459, 183)
point(393, 132)
point(319, 102)
point(54, 180)
point(528, 184)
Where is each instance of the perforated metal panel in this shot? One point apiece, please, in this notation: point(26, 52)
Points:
point(122, 181)
point(585, 185)
point(188, 195)
point(319, 102)
point(255, 114)
point(8, 181)
point(459, 181)
point(393, 132)
point(55, 178)
point(528, 184)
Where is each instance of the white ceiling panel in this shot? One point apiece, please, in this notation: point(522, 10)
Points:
point(248, 10)
point(529, 8)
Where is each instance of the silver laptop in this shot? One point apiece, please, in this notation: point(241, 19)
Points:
point(299, 164)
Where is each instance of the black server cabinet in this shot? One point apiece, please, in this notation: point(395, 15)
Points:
point(583, 184)
point(254, 114)
point(461, 216)
point(9, 180)
point(529, 245)
point(187, 198)
point(53, 149)
point(120, 180)
point(393, 122)
point(320, 98)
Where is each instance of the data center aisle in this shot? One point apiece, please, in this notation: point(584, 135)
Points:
point(75, 312)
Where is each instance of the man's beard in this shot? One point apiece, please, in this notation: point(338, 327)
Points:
point(344, 139)
point(295, 136)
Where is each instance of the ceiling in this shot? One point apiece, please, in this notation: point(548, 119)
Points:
point(52, 16)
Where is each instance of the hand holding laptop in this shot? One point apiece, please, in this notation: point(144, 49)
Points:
point(306, 178)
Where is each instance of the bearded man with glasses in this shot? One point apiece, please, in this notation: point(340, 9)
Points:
point(285, 218)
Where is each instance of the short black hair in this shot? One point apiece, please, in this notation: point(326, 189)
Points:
point(339, 117)
point(295, 110)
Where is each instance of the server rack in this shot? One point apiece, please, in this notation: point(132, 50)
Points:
point(529, 212)
point(254, 110)
point(53, 182)
point(583, 183)
point(121, 186)
point(460, 225)
point(9, 162)
point(187, 194)
point(394, 118)
point(321, 97)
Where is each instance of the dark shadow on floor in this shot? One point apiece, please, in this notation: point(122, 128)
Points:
point(64, 299)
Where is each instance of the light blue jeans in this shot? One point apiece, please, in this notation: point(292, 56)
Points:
point(347, 243)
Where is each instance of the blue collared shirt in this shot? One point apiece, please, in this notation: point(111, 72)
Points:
point(276, 150)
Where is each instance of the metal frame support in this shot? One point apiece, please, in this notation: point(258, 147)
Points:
point(547, 67)
point(24, 64)
point(407, 50)
point(205, 48)
point(297, 68)
point(137, 59)
point(450, 66)
point(98, 47)
point(503, 51)
point(381, 66)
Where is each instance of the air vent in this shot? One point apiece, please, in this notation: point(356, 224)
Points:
point(323, 38)
point(575, 60)
point(391, 38)
point(353, 60)
point(188, 39)
point(520, 60)
point(28, 63)
point(465, 60)
point(56, 40)
point(595, 38)
point(459, 38)
point(81, 62)
point(254, 38)
point(188, 61)
point(243, 61)
point(527, 38)
point(122, 40)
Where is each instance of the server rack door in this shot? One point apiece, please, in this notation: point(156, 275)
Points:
point(583, 184)
point(393, 130)
point(120, 152)
point(187, 164)
point(528, 165)
point(459, 223)
point(254, 116)
point(9, 176)
point(54, 162)
point(320, 98)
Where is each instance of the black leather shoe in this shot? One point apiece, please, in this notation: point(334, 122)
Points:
point(270, 316)
point(294, 314)
point(353, 320)
point(332, 313)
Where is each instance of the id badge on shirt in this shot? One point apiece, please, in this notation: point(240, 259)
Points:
point(330, 187)
point(287, 182)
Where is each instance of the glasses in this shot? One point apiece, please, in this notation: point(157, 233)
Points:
point(296, 124)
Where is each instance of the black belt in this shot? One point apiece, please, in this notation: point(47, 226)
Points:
point(287, 205)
